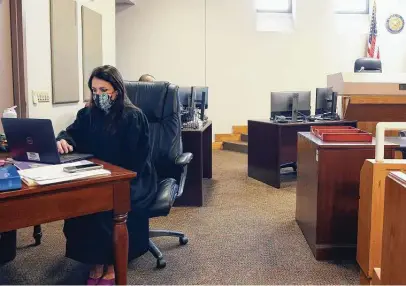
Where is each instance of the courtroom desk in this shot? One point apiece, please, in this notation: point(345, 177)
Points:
point(199, 143)
point(394, 231)
point(31, 206)
point(272, 144)
point(327, 193)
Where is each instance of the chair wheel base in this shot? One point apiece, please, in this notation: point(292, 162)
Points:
point(183, 240)
point(160, 263)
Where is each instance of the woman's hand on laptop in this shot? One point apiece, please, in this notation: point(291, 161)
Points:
point(64, 147)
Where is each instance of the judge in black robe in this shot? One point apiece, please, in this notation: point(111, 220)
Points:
point(116, 132)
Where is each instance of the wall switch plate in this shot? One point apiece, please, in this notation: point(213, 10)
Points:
point(40, 96)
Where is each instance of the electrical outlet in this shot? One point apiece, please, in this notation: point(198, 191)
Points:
point(40, 96)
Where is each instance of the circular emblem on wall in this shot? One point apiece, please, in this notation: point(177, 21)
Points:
point(395, 24)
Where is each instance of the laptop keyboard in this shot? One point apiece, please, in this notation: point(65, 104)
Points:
point(72, 157)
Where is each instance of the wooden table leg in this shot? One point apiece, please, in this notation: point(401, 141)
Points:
point(121, 248)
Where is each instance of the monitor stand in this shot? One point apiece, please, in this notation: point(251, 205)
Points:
point(295, 107)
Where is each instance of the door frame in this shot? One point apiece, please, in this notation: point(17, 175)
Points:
point(18, 57)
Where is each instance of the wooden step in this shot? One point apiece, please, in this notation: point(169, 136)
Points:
point(244, 137)
point(227, 137)
point(236, 146)
point(240, 129)
point(217, 145)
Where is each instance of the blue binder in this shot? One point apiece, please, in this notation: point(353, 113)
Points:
point(9, 178)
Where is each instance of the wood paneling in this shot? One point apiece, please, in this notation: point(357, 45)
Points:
point(217, 145)
point(240, 129)
point(394, 233)
point(371, 212)
point(376, 277)
point(227, 137)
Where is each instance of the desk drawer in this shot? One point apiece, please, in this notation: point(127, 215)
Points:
point(36, 209)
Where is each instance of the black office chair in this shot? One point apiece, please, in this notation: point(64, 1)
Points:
point(160, 103)
point(368, 65)
point(402, 149)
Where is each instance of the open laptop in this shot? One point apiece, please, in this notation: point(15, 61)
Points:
point(34, 140)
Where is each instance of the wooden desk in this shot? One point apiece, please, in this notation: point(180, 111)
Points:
point(199, 143)
point(394, 232)
point(327, 193)
point(272, 144)
point(37, 205)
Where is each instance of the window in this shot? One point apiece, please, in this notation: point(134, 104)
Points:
point(274, 6)
point(351, 6)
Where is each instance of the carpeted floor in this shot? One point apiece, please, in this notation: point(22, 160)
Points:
point(245, 234)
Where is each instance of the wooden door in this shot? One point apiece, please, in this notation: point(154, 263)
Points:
point(6, 67)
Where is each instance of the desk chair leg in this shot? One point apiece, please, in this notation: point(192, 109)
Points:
point(37, 234)
point(160, 261)
point(158, 233)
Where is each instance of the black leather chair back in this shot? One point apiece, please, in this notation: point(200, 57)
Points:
point(159, 102)
point(367, 65)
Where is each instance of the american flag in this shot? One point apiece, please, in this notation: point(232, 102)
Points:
point(373, 47)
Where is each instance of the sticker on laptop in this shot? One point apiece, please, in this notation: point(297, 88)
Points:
point(32, 156)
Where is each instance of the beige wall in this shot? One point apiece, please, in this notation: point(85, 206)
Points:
point(36, 16)
point(6, 80)
point(215, 42)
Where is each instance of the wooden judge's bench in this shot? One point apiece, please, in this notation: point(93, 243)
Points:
point(370, 98)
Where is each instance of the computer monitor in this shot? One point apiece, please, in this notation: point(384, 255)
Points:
point(323, 100)
point(202, 96)
point(326, 101)
point(187, 101)
point(184, 95)
point(281, 103)
point(201, 99)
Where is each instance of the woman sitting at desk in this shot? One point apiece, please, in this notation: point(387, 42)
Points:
point(115, 131)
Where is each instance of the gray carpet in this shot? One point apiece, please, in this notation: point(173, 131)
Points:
point(245, 234)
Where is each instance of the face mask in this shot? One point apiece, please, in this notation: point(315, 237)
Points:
point(103, 101)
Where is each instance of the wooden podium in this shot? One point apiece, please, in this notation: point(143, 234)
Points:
point(370, 98)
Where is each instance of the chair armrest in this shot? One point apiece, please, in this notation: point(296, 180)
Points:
point(184, 159)
point(402, 133)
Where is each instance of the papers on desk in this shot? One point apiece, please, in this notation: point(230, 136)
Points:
point(54, 174)
point(22, 165)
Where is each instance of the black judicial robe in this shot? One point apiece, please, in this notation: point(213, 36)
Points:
point(89, 239)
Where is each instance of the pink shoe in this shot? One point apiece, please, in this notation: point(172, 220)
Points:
point(104, 281)
point(92, 281)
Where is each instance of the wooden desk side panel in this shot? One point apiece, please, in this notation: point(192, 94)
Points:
point(371, 213)
point(263, 152)
point(338, 200)
point(54, 206)
point(306, 190)
point(193, 190)
point(364, 217)
point(394, 234)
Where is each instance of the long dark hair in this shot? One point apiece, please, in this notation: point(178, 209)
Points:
point(112, 75)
